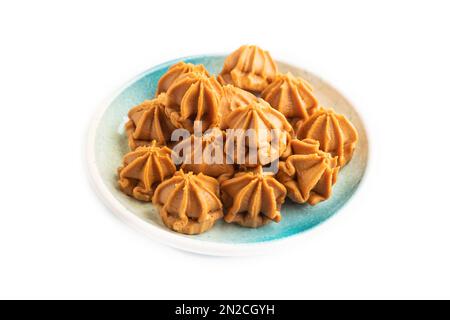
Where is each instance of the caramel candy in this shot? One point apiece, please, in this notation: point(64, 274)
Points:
point(334, 132)
point(189, 203)
point(175, 72)
point(309, 173)
point(249, 68)
point(209, 151)
point(143, 169)
point(253, 198)
point(194, 97)
point(148, 122)
point(264, 133)
point(233, 98)
point(291, 96)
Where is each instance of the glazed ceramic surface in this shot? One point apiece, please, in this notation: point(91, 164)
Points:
point(108, 143)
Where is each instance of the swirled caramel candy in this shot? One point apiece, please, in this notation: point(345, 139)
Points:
point(143, 169)
point(308, 173)
point(189, 203)
point(175, 72)
point(205, 154)
point(333, 131)
point(258, 134)
point(194, 97)
point(253, 198)
point(233, 98)
point(249, 68)
point(148, 122)
point(291, 96)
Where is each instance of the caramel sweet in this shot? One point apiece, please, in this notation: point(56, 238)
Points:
point(233, 98)
point(189, 203)
point(309, 173)
point(249, 68)
point(333, 131)
point(291, 96)
point(194, 97)
point(143, 169)
point(209, 151)
point(252, 198)
point(260, 121)
point(175, 72)
point(148, 122)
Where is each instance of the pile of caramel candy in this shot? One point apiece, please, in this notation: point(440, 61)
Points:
point(249, 93)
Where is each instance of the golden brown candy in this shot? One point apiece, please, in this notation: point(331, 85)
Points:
point(233, 98)
point(291, 96)
point(309, 173)
point(175, 72)
point(143, 169)
point(194, 97)
point(334, 132)
point(249, 68)
point(258, 130)
point(148, 122)
point(189, 203)
point(205, 154)
point(253, 198)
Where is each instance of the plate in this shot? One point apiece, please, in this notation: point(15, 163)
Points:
point(107, 144)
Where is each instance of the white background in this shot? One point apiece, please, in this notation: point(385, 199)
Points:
point(59, 60)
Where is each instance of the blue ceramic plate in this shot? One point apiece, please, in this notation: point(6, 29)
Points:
point(108, 143)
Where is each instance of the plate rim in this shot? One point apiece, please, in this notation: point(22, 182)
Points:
point(183, 242)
